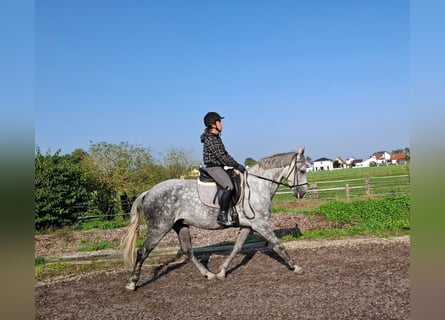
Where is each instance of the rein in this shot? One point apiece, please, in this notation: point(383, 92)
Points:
point(279, 182)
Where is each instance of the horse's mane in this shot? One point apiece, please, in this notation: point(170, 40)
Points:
point(279, 160)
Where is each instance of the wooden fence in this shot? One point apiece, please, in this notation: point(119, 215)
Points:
point(360, 187)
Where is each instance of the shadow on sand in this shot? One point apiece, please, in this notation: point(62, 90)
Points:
point(254, 244)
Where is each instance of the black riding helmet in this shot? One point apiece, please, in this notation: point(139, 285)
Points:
point(211, 117)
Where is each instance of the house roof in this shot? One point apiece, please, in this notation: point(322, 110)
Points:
point(379, 155)
point(398, 156)
point(322, 159)
point(340, 160)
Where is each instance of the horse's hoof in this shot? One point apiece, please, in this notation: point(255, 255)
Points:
point(210, 276)
point(298, 270)
point(131, 286)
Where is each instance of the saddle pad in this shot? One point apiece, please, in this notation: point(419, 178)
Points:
point(207, 192)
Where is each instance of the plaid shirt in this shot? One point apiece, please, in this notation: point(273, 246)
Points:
point(214, 152)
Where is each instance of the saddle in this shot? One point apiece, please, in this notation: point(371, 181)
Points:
point(210, 192)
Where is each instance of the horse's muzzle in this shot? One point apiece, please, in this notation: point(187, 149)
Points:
point(299, 192)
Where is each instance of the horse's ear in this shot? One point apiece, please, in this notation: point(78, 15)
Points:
point(301, 150)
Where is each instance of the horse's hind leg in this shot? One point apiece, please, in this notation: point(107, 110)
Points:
point(142, 254)
point(242, 236)
point(185, 243)
point(266, 231)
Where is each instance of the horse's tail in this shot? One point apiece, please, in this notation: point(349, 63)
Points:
point(128, 242)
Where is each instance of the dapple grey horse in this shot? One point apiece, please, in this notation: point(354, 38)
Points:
point(175, 204)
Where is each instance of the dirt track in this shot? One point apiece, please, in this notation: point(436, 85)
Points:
point(343, 280)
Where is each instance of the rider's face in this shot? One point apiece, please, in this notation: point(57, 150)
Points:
point(219, 125)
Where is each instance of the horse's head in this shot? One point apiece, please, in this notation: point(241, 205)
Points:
point(297, 177)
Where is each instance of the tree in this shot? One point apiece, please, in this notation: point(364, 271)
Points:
point(249, 162)
point(408, 153)
point(61, 194)
point(120, 171)
point(178, 163)
point(78, 155)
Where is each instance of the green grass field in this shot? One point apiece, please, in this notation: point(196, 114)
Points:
point(382, 211)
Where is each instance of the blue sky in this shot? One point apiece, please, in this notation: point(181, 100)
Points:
point(332, 76)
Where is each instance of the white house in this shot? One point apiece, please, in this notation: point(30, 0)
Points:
point(351, 162)
point(382, 158)
point(365, 163)
point(323, 164)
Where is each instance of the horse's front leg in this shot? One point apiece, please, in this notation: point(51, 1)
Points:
point(241, 238)
point(266, 231)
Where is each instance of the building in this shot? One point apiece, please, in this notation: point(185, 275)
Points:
point(351, 162)
point(382, 158)
point(339, 163)
point(323, 164)
point(398, 158)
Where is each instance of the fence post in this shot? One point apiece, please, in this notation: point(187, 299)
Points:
point(368, 188)
point(347, 193)
point(314, 192)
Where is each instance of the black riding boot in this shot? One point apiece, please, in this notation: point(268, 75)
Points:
point(224, 204)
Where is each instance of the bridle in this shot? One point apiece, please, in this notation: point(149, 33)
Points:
point(295, 184)
point(294, 169)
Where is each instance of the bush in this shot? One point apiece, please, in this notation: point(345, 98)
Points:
point(60, 191)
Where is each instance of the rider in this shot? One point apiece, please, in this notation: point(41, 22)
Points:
point(215, 158)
